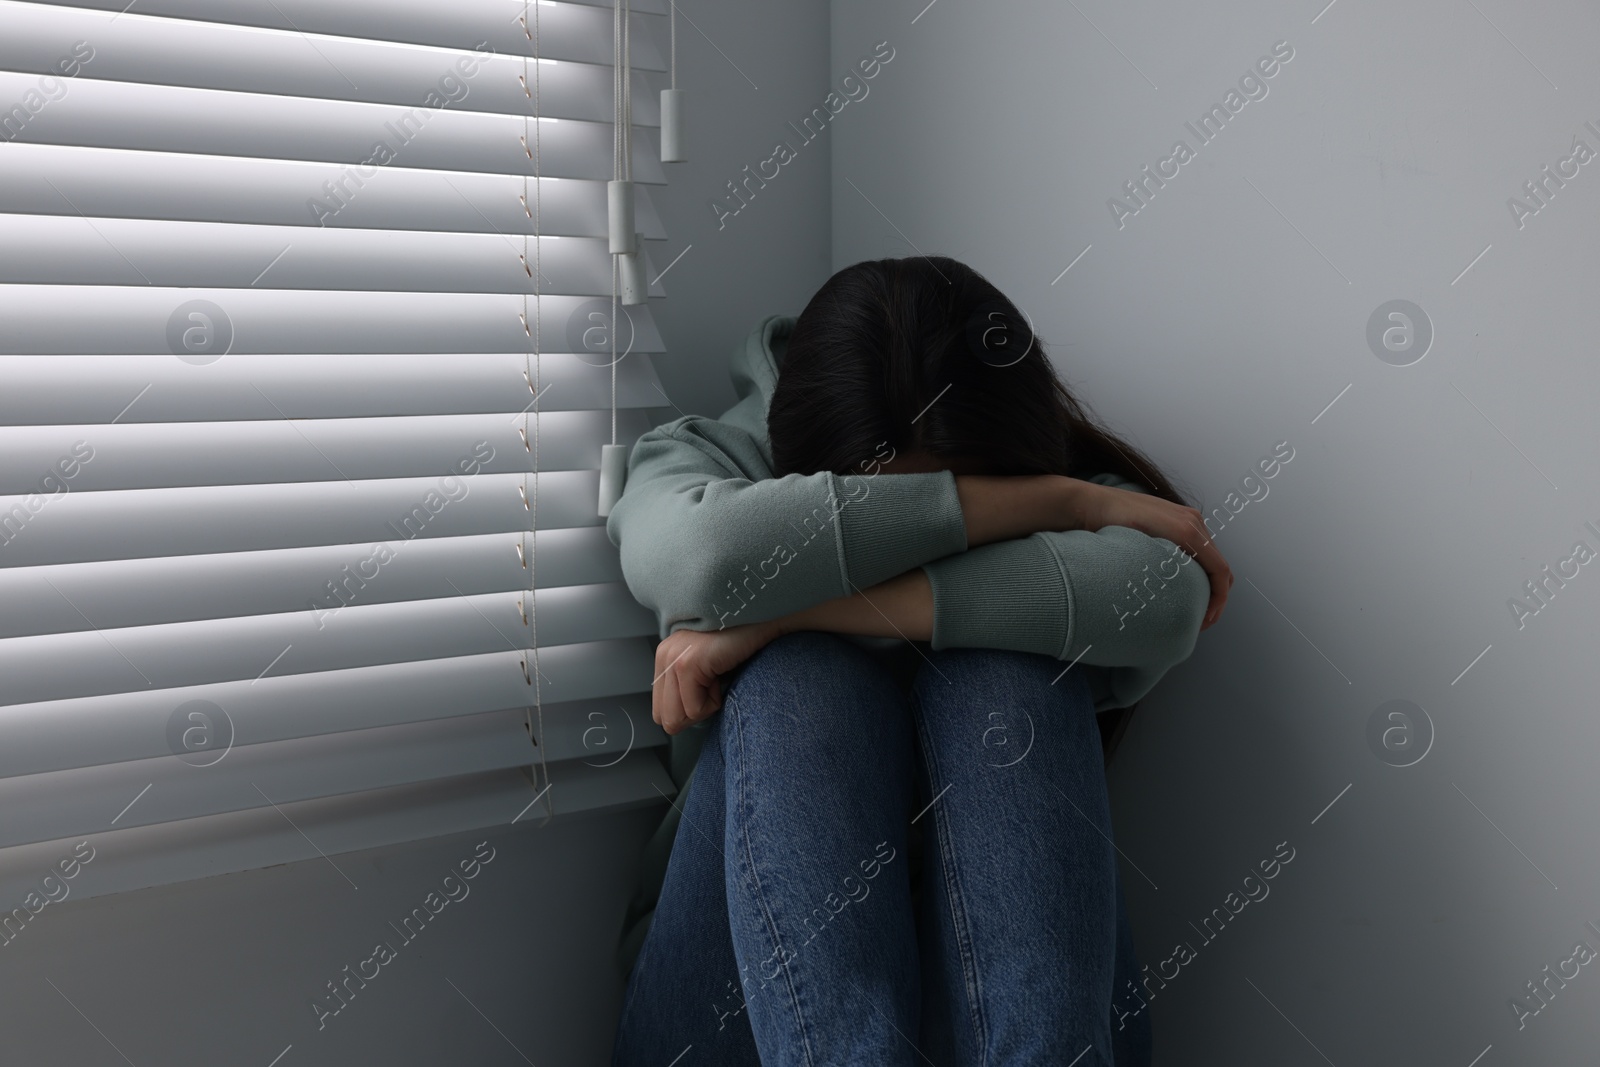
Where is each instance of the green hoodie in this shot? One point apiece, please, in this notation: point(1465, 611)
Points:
point(710, 538)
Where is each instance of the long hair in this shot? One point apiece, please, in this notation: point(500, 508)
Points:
point(925, 353)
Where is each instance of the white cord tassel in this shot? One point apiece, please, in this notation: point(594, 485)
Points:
point(672, 147)
point(613, 472)
point(619, 202)
point(635, 290)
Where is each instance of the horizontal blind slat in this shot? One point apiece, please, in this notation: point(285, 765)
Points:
point(129, 455)
point(162, 790)
point(129, 524)
point(86, 731)
point(144, 592)
point(90, 390)
point(68, 250)
point(119, 183)
point(90, 319)
point(200, 784)
point(598, 731)
point(580, 29)
point(338, 636)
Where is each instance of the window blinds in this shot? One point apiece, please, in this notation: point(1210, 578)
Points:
point(301, 393)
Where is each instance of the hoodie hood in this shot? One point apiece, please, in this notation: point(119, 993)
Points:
point(754, 367)
point(754, 373)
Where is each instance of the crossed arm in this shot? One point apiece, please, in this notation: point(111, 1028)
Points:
point(689, 663)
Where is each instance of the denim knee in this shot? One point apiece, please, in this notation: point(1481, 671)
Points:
point(799, 668)
point(817, 695)
point(983, 672)
point(992, 708)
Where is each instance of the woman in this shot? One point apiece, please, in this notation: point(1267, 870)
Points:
point(895, 582)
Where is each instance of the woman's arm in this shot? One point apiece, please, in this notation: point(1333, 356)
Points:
point(689, 663)
point(1008, 508)
point(900, 607)
point(707, 541)
point(1116, 600)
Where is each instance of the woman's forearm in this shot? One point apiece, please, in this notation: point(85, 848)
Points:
point(1004, 507)
point(995, 508)
point(899, 607)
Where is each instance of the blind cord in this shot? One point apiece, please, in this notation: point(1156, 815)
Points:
point(627, 89)
point(613, 349)
point(616, 90)
point(538, 384)
point(535, 383)
point(622, 142)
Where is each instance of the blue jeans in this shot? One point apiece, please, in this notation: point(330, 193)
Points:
point(787, 931)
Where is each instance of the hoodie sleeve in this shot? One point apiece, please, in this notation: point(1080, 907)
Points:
point(706, 545)
point(1115, 598)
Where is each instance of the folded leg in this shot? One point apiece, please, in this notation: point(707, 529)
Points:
point(819, 757)
point(1019, 898)
point(683, 996)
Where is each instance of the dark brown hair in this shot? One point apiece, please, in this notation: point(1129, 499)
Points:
point(926, 354)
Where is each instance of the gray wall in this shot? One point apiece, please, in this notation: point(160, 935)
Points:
point(750, 69)
point(1224, 317)
point(221, 970)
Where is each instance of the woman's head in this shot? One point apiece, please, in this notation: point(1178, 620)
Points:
point(924, 355)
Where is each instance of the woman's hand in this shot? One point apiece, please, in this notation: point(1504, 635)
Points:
point(1103, 505)
point(687, 687)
